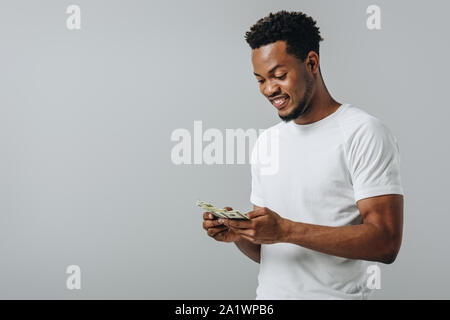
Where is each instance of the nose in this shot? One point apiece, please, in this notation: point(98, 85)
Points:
point(269, 88)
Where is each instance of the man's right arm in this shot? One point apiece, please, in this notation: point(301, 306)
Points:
point(251, 250)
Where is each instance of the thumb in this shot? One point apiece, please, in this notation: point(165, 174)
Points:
point(228, 208)
point(256, 213)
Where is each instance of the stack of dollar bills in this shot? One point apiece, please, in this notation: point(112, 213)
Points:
point(221, 213)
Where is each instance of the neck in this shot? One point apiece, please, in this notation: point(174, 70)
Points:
point(320, 105)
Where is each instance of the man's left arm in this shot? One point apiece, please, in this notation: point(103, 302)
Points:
point(378, 238)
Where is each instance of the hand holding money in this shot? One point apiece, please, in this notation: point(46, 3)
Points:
point(214, 228)
point(217, 230)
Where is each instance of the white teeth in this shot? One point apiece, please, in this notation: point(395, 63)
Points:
point(279, 101)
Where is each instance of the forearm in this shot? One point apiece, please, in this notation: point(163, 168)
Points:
point(365, 241)
point(251, 250)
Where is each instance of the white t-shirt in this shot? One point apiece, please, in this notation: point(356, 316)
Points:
point(315, 173)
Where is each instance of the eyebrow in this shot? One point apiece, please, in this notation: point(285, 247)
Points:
point(271, 70)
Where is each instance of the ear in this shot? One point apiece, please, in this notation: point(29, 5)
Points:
point(312, 62)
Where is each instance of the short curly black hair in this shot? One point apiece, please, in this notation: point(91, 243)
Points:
point(296, 28)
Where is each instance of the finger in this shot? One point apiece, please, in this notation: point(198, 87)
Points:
point(209, 216)
point(212, 232)
point(245, 232)
point(220, 236)
point(247, 237)
point(211, 223)
point(228, 208)
point(256, 213)
point(238, 224)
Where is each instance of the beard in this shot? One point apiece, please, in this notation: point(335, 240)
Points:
point(303, 104)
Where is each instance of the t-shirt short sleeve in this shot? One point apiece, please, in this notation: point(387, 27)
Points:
point(374, 161)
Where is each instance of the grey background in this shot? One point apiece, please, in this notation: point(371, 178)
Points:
point(86, 117)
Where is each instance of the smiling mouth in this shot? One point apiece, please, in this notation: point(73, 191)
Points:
point(281, 102)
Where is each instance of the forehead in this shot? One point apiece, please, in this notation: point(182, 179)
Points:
point(266, 57)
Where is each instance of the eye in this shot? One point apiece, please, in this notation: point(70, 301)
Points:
point(281, 77)
point(261, 81)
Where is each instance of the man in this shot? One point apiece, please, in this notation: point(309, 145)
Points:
point(335, 204)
